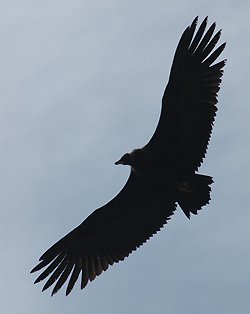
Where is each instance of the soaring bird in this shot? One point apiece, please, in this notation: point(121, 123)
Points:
point(163, 172)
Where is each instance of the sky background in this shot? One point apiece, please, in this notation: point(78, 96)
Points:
point(81, 84)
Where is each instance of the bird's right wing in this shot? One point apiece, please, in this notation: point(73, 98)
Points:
point(108, 235)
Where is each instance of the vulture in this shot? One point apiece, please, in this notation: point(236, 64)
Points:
point(162, 173)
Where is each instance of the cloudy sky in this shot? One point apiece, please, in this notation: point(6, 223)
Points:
point(81, 84)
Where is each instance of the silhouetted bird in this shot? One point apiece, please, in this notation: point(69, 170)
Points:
point(162, 172)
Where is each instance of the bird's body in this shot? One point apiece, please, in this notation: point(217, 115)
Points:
point(163, 172)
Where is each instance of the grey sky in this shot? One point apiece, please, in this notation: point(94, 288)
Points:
point(81, 84)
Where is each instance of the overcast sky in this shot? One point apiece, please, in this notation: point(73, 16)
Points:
point(81, 84)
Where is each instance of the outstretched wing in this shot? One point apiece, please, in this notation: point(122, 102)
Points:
point(108, 235)
point(189, 101)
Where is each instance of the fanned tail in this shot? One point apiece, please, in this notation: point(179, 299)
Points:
point(194, 193)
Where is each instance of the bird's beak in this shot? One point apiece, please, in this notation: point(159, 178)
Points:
point(118, 162)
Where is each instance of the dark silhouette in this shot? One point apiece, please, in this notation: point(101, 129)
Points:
point(162, 172)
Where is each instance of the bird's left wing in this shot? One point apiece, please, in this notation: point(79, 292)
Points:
point(189, 101)
point(108, 235)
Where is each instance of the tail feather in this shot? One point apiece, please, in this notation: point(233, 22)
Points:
point(194, 193)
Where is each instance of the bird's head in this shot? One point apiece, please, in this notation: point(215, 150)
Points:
point(125, 160)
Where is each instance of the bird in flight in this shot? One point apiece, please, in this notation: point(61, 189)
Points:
point(163, 172)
